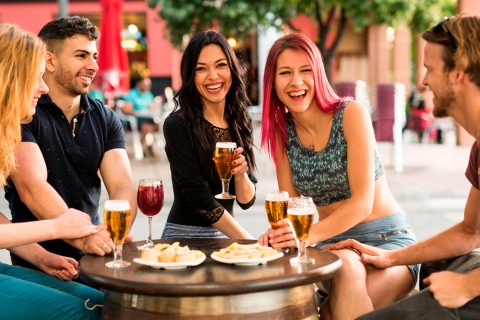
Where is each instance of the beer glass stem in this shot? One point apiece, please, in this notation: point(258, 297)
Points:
point(117, 261)
point(225, 184)
point(117, 253)
point(302, 255)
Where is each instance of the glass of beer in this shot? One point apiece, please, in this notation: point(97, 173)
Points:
point(276, 203)
point(224, 158)
point(117, 221)
point(150, 201)
point(300, 213)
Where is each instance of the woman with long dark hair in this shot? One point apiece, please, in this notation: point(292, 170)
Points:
point(210, 107)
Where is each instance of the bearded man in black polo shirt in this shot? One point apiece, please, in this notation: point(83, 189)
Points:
point(71, 138)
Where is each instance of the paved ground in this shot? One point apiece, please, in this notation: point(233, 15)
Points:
point(432, 189)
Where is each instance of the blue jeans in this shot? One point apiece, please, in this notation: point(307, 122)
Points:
point(389, 232)
point(173, 230)
point(30, 295)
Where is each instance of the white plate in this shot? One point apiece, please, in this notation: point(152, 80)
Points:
point(170, 265)
point(247, 262)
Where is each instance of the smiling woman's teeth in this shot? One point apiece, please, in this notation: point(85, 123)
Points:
point(297, 94)
point(214, 87)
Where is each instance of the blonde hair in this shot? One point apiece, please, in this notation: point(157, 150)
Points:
point(21, 54)
point(460, 37)
point(466, 31)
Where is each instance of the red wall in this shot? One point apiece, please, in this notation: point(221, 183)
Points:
point(163, 61)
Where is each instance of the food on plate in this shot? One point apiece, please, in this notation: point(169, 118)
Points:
point(245, 251)
point(164, 252)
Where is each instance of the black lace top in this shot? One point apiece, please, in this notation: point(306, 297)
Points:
point(194, 185)
point(221, 134)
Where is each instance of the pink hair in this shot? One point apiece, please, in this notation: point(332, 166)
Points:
point(274, 111)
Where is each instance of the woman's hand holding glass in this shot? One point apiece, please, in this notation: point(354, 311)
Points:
point(240, 163)
point(229, 161)
point(276, 203)
point(280, 238)
point(224, 158)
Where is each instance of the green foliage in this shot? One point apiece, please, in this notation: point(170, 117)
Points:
point(431, 13)
point(236, 17)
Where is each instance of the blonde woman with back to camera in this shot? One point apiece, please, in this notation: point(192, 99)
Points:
point(28, 294)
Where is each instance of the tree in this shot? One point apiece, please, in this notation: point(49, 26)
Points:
point(236, 17)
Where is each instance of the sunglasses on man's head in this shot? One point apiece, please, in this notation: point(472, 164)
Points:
point(442, 26)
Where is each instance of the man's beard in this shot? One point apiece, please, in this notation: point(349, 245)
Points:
point(64, 79)
point(443, 104)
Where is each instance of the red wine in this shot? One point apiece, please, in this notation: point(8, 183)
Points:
point(150, 199)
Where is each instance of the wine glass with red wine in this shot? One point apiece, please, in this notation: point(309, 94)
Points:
point(150, 202)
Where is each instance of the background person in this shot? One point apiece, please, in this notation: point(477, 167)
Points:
point(28, 294)
point(140, 102)
point(210, 106)
point(324, 147)
point(419, 117)
point(452, 60)
point(71, 138)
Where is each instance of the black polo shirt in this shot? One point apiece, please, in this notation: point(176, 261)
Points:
point(72, 158)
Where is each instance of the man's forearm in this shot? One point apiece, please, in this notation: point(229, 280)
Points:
point(450, 243)
point(43, 201)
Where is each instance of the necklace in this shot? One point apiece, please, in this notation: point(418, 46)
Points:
point(304, 132)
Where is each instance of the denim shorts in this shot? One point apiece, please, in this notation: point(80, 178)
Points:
point(173, 230)
point(390, 232)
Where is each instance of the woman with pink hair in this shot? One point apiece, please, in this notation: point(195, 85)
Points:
point(323, 147)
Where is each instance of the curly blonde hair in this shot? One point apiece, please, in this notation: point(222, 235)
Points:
point(21, 54)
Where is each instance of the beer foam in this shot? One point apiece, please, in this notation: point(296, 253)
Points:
point(116, 205)
point(300, 211)
point(226, 145)
point(276, 197)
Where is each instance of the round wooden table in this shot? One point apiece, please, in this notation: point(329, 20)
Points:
point(211, 290)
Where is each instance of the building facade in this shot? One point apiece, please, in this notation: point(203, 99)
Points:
point(154, 50)
point(378, 55)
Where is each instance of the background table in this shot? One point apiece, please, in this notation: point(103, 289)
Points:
point(211, 290)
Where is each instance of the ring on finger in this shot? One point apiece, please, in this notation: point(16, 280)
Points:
point(104, 246)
